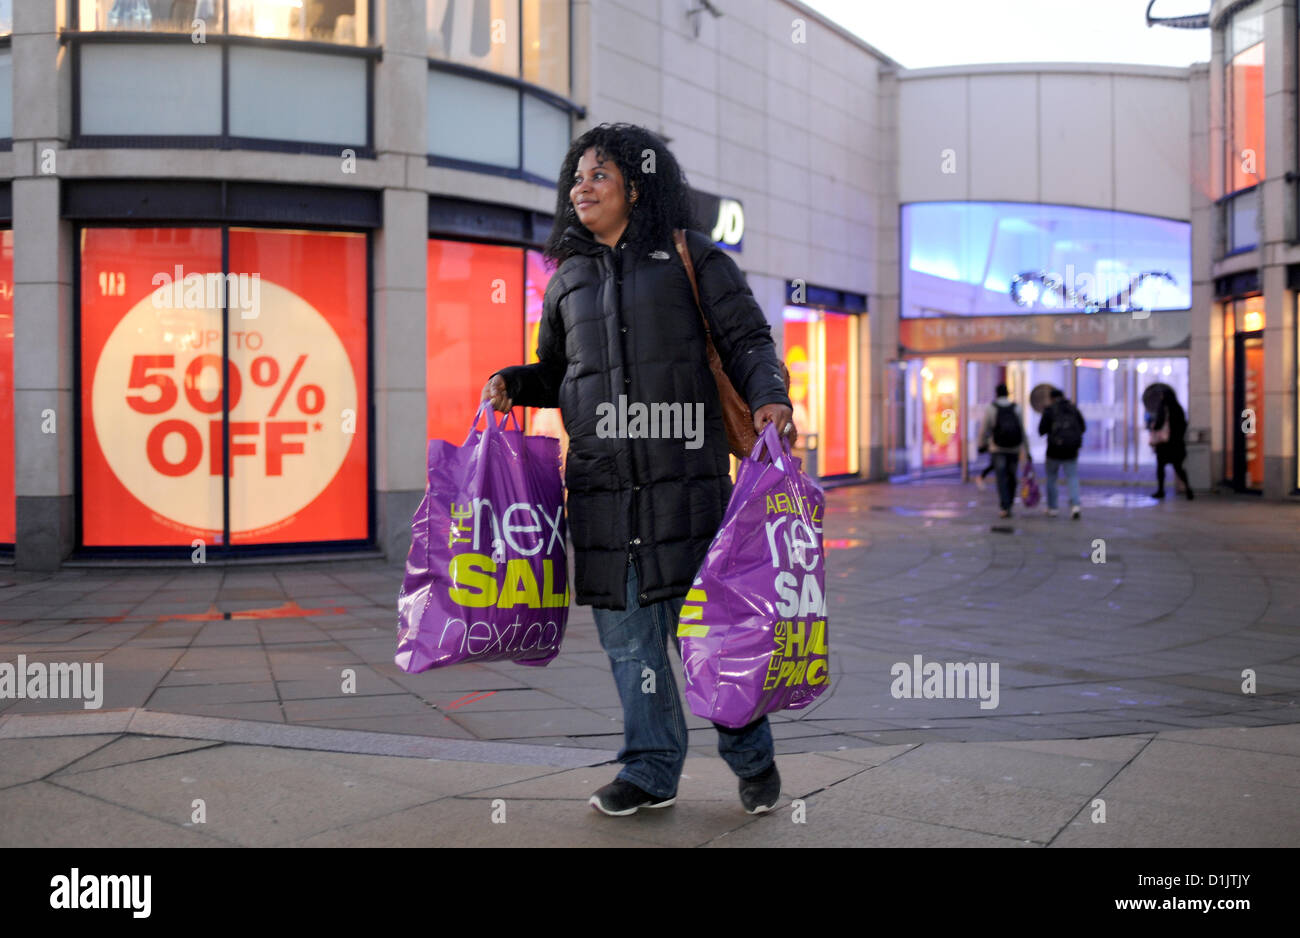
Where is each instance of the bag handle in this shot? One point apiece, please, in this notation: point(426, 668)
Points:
point(774, 444)
point(490, 425)
point(507, 417)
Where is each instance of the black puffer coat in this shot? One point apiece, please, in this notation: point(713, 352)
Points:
point(624, 322)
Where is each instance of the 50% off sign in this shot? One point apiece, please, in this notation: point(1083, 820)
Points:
point(157, 402)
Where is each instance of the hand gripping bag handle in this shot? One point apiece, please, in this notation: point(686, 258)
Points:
point(774, 444)
point(500, 426)
point(478, 415)
point(509, 416)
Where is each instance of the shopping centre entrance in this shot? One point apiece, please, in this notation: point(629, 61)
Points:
point(937, 405)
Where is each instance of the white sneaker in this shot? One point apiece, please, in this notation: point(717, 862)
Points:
point(1052, 512)
point(1074, 513)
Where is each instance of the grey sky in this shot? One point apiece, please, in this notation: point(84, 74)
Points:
point(927, 33)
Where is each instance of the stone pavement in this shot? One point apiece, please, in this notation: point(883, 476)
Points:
point(131, 778)
point(1120, 680)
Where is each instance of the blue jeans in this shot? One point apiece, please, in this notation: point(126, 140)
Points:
point(1071, 467)
point(654, 724)
point(1004, 465)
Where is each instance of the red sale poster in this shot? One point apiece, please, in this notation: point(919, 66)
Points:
point(151, 386)
point(475, 326)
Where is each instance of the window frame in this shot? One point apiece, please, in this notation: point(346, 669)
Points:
point(1224, 205)
point(522, 87)
point(76, 38)
point(1230, 154)
point(224, 551)
point(73, 10)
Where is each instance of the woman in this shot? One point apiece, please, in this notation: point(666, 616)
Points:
point(1173, 450)
point(619, 320)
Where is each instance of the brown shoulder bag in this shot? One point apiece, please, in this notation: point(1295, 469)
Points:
point(736, 415)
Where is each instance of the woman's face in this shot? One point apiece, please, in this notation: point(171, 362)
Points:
point(598, 197)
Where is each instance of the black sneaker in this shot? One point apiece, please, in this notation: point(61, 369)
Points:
point(762, 792)
point(620, 798)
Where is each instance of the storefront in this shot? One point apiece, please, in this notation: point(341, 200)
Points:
point(1095, 303)
point(223, 372)
point(822, 329)
point(484, 308)
point(1242, 309)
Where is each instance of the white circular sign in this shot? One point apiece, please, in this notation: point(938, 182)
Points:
point(156, 402)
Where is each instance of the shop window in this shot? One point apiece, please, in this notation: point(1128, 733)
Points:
point(156, 341)
point(6, 17)
point(546, 44)
point(998, 258)
point(1244, 87)
point(7, 491)
point(546, 138)
point(457, 102)
point(1243, 325)
point(156, 16)
point(516, 130)
point(1243, 221)
point(229, 92)
point(121, 94)
point(520, 108)
point(941, 443)
point(6, 95)
point(475, 326)
point(528, 39)
point(340, 21)
point(267, 100)
point(541, 421)
point(821, 355)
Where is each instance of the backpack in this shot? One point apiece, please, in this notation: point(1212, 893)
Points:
point(1007, 433)
point(1066, 432)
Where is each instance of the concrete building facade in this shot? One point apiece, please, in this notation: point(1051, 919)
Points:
point(370, 181)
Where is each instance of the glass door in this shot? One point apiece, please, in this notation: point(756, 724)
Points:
point(821, 354)
point(1248, 425)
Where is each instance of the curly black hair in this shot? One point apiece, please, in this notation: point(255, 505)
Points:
point(663, 195)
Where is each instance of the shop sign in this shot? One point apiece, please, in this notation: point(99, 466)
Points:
point(1162, 331)
point(723, 218)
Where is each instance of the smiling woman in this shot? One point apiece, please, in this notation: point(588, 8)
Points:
point(620, 323)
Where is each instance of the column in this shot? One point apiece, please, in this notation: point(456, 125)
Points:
point(401, 90)
point(44, 363)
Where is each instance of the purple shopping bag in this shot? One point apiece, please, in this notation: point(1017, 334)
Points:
point(487, 575)
point(753, 627)
point(1029, 491)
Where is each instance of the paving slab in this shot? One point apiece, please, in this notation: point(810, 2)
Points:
point(42, 814)
point(254, 795)
point(26, 760)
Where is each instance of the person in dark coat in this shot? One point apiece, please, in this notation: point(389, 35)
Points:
point(620, 327)
point(1172, 451)
point(1064, 426)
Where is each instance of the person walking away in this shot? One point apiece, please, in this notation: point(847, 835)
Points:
point(1064, 426)
point(1003, 433)
point(1168, 428)
point(619, 319)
